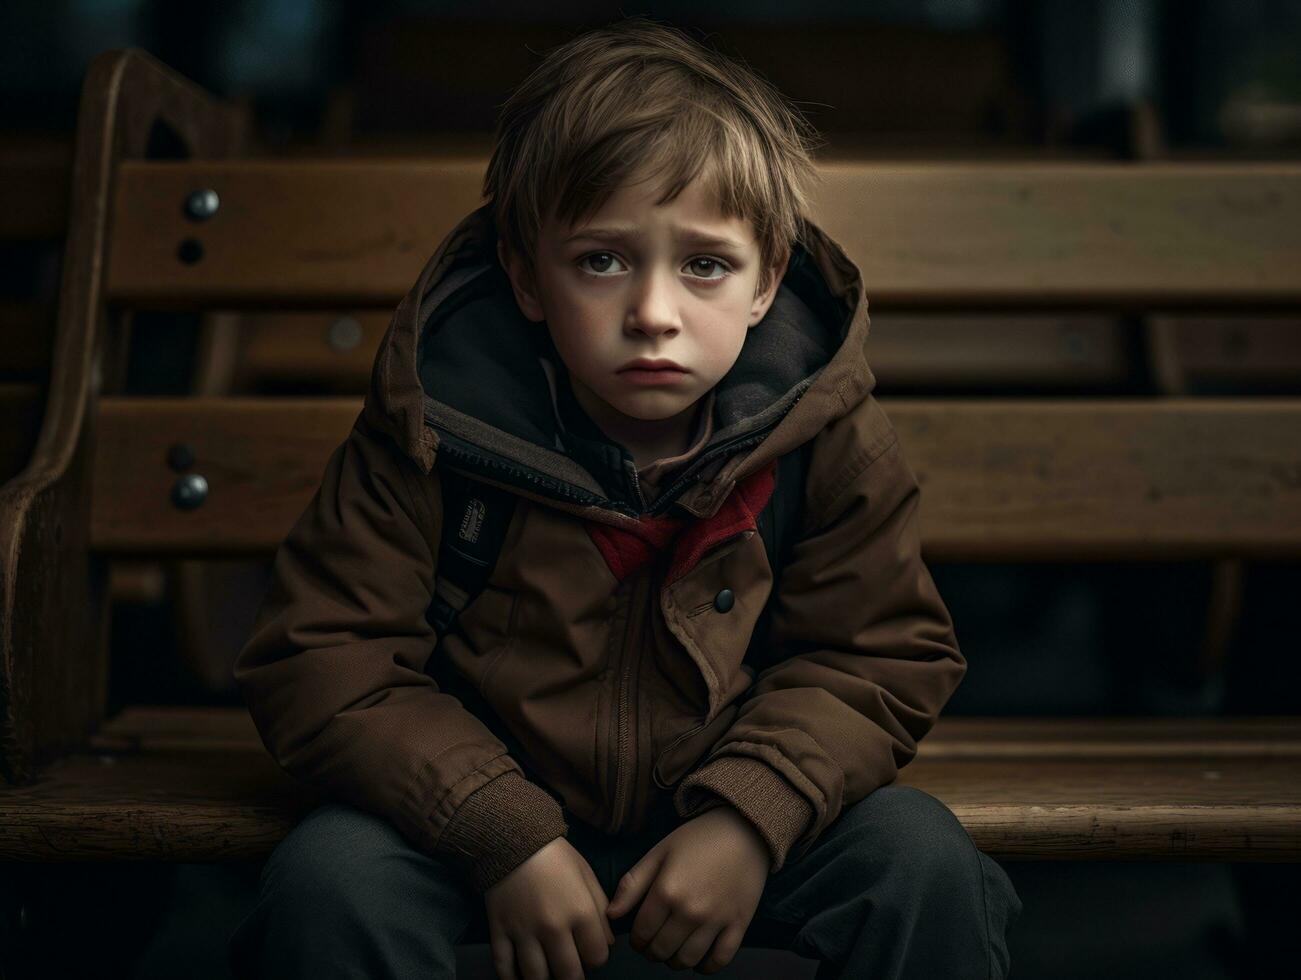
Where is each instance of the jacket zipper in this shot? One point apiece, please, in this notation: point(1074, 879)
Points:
point(507, 472)
point(630, 660)
point(666, 498)
point(499, 469)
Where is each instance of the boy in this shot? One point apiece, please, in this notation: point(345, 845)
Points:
point(626, 337)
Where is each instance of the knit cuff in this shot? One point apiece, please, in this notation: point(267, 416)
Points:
point(761, 794)
point(498, 827)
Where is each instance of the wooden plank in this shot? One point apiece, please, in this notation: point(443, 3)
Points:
point(328, 348)
point(1261, 352)
point(219, 729)
point(286, 234)
point(1094, 235)
point(1122, 809)
point(336, 350)
point(173, 728)
point(184, 784)
point(262, 460)
point(1001, 479)
point(909, 351)
point(356, 233)
point(1105, 479)
point(159, 805)
point(963, 737)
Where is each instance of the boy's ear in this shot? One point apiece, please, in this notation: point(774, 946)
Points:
point(522, 282)
point(763, 300)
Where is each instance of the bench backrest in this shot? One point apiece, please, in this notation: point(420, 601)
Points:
point(1003, 478)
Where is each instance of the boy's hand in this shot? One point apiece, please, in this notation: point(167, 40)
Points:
point(702, 884)
point(546, 914)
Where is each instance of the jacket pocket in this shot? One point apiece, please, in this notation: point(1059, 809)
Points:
point(713, 610)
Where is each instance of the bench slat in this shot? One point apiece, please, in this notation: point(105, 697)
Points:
point(356, 233)
point(1001, 479)
point(153, 727)
point(185, 784)
point(336, 350)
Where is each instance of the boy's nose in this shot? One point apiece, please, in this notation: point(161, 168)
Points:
point(653, 309)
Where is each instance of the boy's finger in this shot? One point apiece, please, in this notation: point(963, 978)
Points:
point(599, 899)
point(632, 886)
point(503, 958)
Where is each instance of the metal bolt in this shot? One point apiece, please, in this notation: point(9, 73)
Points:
point(189, 491)
point(180, 456)
point(190, 251)
point(202, 205)
point(344, 334)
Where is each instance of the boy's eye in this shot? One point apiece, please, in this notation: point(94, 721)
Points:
point(600, 263)
point(706, 264)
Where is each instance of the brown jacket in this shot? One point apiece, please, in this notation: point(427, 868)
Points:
point(611, 653)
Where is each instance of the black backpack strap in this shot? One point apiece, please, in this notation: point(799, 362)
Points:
point(779, 526)
point(476, 517)
point(785, 508)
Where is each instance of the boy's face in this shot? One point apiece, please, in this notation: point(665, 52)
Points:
point(629, 282)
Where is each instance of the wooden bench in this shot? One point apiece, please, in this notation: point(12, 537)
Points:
point(1004, 479)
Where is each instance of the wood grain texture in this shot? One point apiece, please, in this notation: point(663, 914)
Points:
point(185, 784)
point(1105, 479)
point(1122, 236)
point(262, 460)
point(1030, 479)
point(937, 352)
point(1259, 350)
point(310, 348)
point(1123, 808)
point(287, 234)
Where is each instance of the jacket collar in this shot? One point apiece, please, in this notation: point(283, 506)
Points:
point(458, 374)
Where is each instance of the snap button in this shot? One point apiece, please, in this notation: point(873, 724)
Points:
point(724, 601)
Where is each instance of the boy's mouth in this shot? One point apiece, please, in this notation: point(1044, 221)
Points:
point(652, 364)
point(658, 373)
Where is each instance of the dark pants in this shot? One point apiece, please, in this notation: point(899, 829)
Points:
point(893, 888)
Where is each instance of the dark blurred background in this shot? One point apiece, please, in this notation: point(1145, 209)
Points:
point(923, 79)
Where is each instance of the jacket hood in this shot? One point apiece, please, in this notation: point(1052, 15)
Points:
point(459, 374)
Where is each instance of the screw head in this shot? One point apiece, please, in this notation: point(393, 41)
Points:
point(344, 334)
point(190, 251)
point(180, 456)
point(202, 204)
point(189, 491)
point(1073, 343)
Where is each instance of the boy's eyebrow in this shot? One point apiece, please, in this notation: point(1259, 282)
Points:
point(620, 233)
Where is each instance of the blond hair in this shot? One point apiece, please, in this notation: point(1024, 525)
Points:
point(637, 97)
